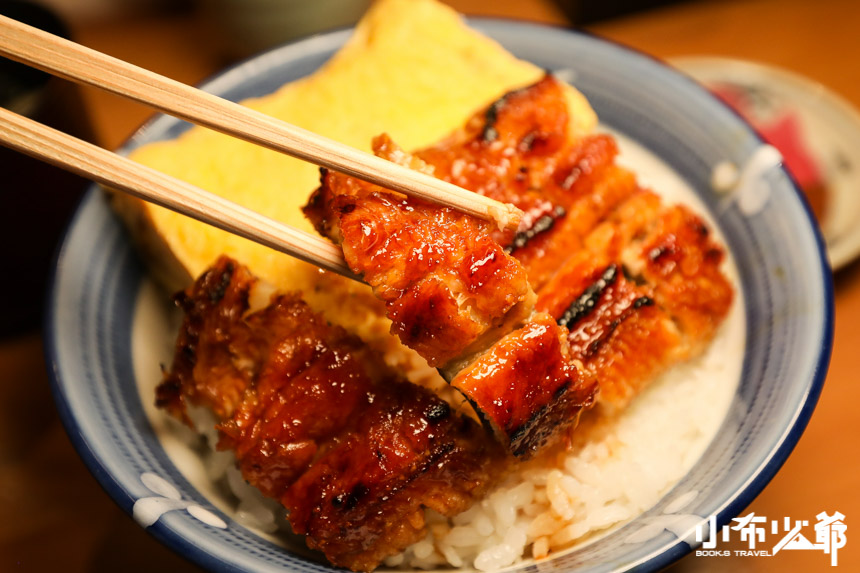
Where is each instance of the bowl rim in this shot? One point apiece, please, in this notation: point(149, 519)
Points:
point(667, 554)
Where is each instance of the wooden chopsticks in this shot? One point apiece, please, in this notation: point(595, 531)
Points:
point(72, 61)
point(123, 174)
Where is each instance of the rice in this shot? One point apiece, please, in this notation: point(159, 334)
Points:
point(617, 466)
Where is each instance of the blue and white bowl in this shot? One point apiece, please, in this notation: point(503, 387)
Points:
point(783, 276)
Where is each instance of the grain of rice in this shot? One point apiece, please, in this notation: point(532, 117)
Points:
point(540, 548)
point(259, 512)
point(451, 555)
point(559, 500)
point(533, 509)
point(570, 486)
point(253, 519)
point(584, 472)
point(237, 483)
point(422, 549)
point(521, 494)
point(608, 514)
point(515, 537)
point(432, 561)
point(483, 525)
point(569, 533)
point(545, 524)
point(503, 508)
point(464, 536)
point(495, 557)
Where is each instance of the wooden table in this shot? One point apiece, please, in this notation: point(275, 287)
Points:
point(54, 516)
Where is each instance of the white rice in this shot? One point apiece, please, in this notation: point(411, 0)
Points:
point(616, 468)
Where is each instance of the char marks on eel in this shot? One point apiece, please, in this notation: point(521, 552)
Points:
point(451, 289)
point(316, 421)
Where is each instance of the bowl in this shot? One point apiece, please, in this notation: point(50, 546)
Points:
point(95, 349)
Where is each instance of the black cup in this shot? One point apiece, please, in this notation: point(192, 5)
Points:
point(36, 199)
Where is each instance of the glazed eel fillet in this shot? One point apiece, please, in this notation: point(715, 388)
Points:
point(636, 282)
point(317, 422)
point(455, 296)
point(634, 285)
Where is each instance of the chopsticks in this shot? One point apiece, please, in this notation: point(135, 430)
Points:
point(72, 61)
point(121, 173)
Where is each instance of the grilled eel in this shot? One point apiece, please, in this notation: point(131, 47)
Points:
point(635, 285)
point(455, 296)
point(316, 421)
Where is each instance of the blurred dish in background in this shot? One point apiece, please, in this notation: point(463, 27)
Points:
point(817, 133)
